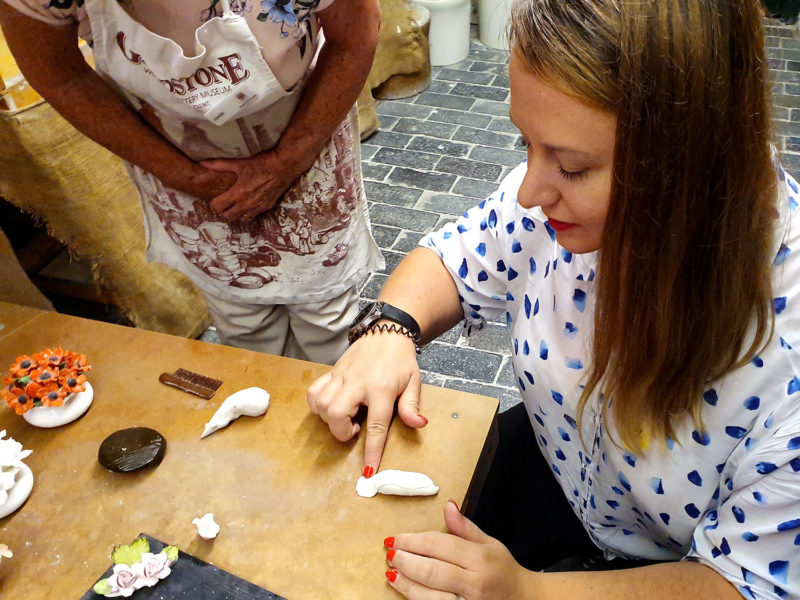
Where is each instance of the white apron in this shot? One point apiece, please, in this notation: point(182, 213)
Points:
point(224, 102)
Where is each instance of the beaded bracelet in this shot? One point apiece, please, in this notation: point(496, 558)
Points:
point(393, 328)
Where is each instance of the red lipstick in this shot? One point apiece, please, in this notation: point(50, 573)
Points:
point(560, 225)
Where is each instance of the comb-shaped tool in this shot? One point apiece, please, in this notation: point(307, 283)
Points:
point(191, 382)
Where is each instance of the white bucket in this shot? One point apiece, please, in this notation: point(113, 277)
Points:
point(493, 17)
point(449, 32)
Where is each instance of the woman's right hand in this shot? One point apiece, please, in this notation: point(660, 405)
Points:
point(377, 370)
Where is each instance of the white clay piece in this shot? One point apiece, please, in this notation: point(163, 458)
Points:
point(252, 402)
point(55, 416)
point(206, 527)
point(397, 483)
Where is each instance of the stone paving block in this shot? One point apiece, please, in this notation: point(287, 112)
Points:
point(385, 236)
point(509, 158)
point(484, 138)
point(406, 158)
point(441, 87)
point(474, 187)
point(374, 172)
point(792, 144)
point(439, 182)
point(391, 194)
point(780, 113)
point(467, 167)
point(786, 76)
point(392, 260)
point(443, 220)
point(791, 162)
point(432, 129)
point(464, 76)
point(507, 397)
point(387, 122)
point(501, 81)
point(484, 92)
point(368, 151)
point(460, 117)
point(493, 337)
point(506, 377)
point(452, 335)
point(503, 125)
point(407, 241)
point(489, 107)
point(449, 204)
point(438, 146)
point(445, 101)
point(489, 67)
point(390, 139)
point(431, 378)
point(484, 53)
point(396, 108)
point(464, 363)
point(405, 218)
point(788, 128)
point(373, 286)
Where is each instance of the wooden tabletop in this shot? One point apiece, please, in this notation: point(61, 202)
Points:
point(281, 487)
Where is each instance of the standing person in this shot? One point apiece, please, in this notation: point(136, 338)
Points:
point(230, 116)
point(646, 258)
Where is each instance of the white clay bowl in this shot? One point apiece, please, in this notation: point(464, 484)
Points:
point(55, 416)
point(20, 492)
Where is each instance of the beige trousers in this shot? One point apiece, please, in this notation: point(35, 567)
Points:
point(315, 331)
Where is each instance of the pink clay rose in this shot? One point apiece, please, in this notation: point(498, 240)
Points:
point(125, 580)
point(154, 567)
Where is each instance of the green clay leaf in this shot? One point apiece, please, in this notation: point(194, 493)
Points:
point(171, 552)
point(24, 380)
point(102, 587)
point(132, 553)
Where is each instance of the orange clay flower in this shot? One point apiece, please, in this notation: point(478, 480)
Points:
point(16, 398)
point(44, 379)
point(23, 365)
point(52, 394)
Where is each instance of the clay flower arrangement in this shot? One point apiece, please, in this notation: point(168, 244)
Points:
point(135, 567)
point(48, 379)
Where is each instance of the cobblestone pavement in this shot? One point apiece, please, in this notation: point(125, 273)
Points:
point(442, 151)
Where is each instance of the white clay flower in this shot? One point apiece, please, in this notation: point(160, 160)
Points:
point(11, 452)
point(154, 567)
point(5, 552)
point(206, 527)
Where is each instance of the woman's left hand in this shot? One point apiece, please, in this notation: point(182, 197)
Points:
point(260, 182)
point(465, 564)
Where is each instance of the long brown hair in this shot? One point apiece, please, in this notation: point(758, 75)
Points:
point(683, 283)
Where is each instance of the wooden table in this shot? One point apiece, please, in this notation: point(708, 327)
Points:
point(281, 487)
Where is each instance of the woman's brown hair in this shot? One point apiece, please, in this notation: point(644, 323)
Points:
point(683, 282)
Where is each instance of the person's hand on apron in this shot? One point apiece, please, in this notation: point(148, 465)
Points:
point(260, 182)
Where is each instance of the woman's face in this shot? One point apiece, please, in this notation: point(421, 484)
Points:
point(570, 158)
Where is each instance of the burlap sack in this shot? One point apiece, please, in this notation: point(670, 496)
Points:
point(83, 194)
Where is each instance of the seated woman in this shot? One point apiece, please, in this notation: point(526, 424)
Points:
point(646, 259)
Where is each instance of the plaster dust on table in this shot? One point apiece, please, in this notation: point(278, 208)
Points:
point(397, 483)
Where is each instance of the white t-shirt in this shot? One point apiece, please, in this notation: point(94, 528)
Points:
point(728, 496)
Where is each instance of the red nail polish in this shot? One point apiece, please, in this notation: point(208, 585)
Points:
point(390, 555)
point(454, 503)
point(423, 418)
point(391, 575)
point(368, 471)
point(389, 542)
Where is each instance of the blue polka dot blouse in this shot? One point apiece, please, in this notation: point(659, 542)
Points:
point(728, 496)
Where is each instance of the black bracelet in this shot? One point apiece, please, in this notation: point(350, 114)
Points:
point(393, 328)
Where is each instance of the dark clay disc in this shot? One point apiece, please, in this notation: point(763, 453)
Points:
point(131, 449)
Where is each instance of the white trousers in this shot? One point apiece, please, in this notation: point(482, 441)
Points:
point(315, 331)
